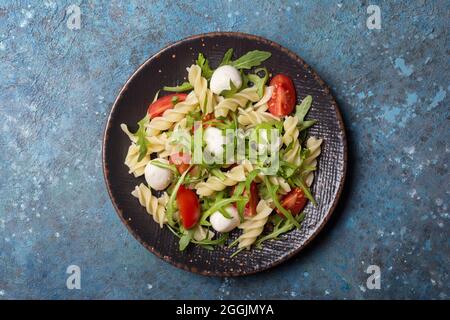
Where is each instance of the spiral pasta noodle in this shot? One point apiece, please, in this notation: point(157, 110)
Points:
point(204, 95)
point(172, 116)
point(214, 184)
point(240, 99)
point(131, 160)
point(291, 137)
point(314, 146)
point(252, 227)
point(251, 117)
point(280, 181)
point(154, 206)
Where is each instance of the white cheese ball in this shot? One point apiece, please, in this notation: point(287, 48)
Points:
point(222, 224)
point(220, 79)
point(158, 178)
point(214, 141)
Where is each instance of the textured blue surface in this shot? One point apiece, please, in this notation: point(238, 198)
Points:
point(57, 86)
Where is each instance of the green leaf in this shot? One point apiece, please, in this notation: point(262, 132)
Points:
point(306, 124)
point(203, 63)
point(227, 57)
point(280, 228)
point(302, 109)
point(251, 59)
point(184, 241)
point(231, 92)
point(142, 141)
point(185, 86)
point(259, 82)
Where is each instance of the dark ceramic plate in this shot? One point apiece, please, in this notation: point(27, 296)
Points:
point(168, 67)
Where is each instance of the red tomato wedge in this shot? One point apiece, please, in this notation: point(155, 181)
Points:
point(294, 202)
point(250, 207)
point(283, 97)
point(181, 161)
point(189, 207)
point(158, 107)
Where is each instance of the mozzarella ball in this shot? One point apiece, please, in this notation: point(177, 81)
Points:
point(221, 78)
point(158, 178)
point(222, 224)
point(214, 141)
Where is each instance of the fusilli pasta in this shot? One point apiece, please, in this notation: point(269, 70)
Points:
point(240, 99)
point(251, 117)
point(252, 227)
point(154, 206)
point(214, 184)
point(291, 137)
point(131, 160)
point(314, 146)
point(204, 95)
point(172, 116)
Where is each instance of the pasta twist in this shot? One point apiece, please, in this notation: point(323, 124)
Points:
point(172, 116)
point(204, 95)
point(131, 160)
point(291, 136)
point(314, 146)
point(154, 206)
point(214, 184)
point(240, 99)
point(253, 117)
point(280, 181)
point(252, 227)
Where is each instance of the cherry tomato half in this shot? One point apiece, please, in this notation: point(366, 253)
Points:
point(189, 207)
point(158, 107)
point(294, 202)
point(283, 97)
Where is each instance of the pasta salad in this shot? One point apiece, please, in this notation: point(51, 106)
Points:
point(225, 155)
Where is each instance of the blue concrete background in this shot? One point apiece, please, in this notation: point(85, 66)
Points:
point(56, 89)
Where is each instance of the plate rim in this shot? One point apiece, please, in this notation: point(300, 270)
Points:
point(314, 74)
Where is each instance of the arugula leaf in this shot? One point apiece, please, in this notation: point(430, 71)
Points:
point(231, 92)
point(227, 57)
point(185, 86)
point(259, 82)
point(281, 227)
point(203, 63)
point(184, 241)
point(302, 109)
point(251, 59)
point(142, 141)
